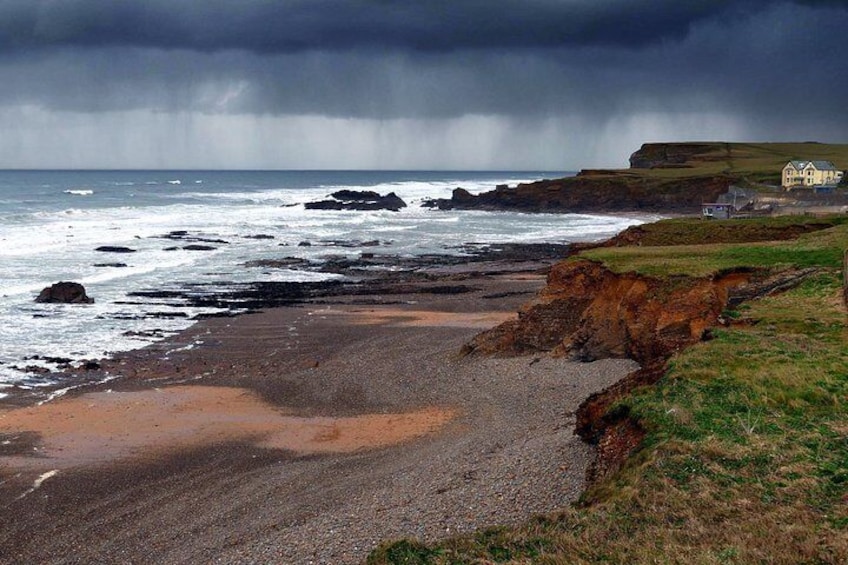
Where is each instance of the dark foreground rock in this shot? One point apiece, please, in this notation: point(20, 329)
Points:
point(183, 235)
point(358, 200)
point(65, 293)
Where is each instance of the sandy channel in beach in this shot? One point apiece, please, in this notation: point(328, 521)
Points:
point(105, 426)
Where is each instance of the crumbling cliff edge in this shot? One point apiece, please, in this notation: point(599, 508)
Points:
point(589, 312)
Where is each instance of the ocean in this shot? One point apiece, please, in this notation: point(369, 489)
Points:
point(52, 222)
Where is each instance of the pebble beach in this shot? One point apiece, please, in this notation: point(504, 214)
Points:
point(302, 434)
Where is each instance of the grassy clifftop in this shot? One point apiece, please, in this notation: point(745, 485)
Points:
point(663, 178)
point(745, 453)
point(756, 162)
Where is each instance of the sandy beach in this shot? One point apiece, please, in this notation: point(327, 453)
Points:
point(303, 434)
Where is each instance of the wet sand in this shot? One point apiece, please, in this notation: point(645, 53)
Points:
point(104, 427)
point(305, 434)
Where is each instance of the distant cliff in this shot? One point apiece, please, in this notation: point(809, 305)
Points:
point(663, 177)
point(612, 191)
point(638, 189)
point(679, 155)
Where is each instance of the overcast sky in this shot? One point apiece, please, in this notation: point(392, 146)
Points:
point(404, 84)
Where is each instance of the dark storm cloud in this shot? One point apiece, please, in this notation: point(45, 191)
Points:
point(287, 26)
point(580, 69)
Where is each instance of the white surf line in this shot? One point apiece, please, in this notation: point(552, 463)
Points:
point(39, 481)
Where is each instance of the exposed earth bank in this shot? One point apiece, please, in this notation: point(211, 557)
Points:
point(587, 312)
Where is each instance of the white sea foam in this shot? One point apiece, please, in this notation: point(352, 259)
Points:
point(79, 192)
point(42, 241)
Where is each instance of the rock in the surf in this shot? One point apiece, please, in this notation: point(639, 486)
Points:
point(359, 200)
point(114, 249)
point(65, 293)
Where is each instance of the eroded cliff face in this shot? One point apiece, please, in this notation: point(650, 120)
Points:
point(588, 312)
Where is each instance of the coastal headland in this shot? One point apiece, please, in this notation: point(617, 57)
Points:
point(728, 444)
point(667, 178)
point(701, 364)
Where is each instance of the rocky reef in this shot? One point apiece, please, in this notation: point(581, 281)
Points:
point(358, 200)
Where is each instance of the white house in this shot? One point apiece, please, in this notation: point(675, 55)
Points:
point(810, 173)
point(716, 211)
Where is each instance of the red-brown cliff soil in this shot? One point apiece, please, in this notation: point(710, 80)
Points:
point(589, 312)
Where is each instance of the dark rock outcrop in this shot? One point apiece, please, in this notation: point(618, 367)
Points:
point(613, 191)
point(359, 200)
point(114, 249)
point(195, 247)
point(183, 235)
point(65, 293)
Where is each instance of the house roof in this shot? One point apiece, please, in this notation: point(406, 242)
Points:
point(824, 165)
point(819, 165)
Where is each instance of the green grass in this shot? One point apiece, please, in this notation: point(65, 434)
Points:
point(817, 249)
point(757, 162)
point(689, 231)
point(746, 454)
